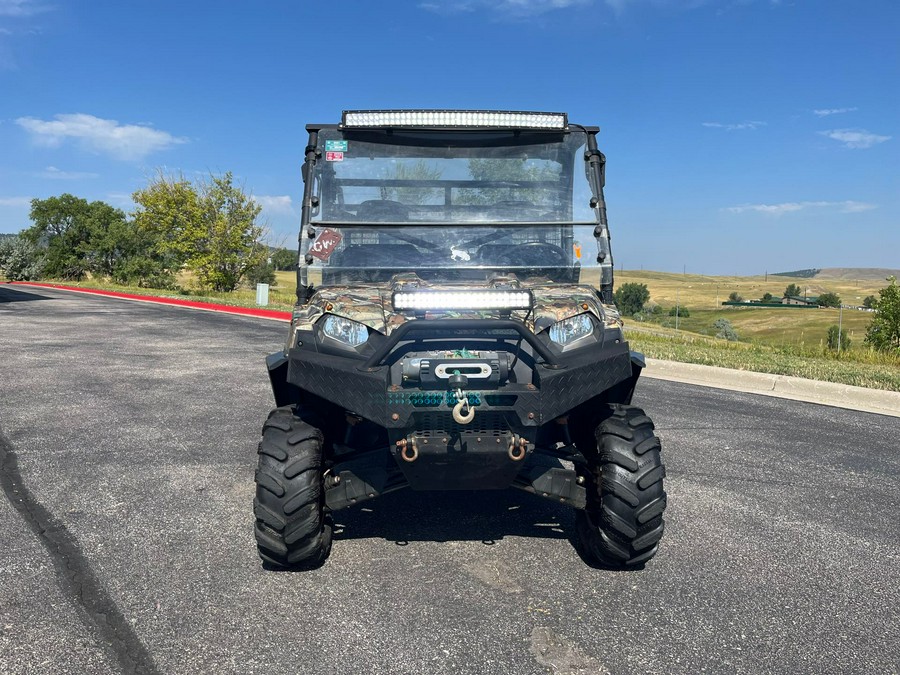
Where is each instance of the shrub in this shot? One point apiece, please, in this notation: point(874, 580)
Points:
point(682, 312)
point(884, 332)
point(631, 298)
point(20, 260)
point(835, 342)
point(725, 330)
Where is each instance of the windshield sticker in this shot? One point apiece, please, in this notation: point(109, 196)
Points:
point(336, 146)
point(334, 156)
point(576, 247)
point(459, 254)
point(325, 244)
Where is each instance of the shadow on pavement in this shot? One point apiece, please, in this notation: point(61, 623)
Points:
point(8, 294)
point(485, 516)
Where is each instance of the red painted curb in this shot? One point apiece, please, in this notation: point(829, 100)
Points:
point(191, 304)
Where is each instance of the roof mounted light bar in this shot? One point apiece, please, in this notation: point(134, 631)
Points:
point(441, 300)
point(472, 119)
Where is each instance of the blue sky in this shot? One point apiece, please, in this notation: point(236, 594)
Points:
point(741, 135)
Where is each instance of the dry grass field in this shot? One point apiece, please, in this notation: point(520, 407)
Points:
point(696, 291)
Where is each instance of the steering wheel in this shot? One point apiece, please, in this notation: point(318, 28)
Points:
point(534, 254)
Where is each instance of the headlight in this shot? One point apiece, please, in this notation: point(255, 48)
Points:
point(344, 330)
point(574, 328)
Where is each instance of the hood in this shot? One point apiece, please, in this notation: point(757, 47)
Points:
point(372, 306)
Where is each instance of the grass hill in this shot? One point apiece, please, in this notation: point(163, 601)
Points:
point(703, 296)
point(708, 292)
point(862, 273)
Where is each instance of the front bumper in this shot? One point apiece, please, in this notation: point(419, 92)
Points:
point(364, 387)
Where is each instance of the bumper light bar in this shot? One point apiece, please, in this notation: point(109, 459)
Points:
point(462, 300)
point(491, 119)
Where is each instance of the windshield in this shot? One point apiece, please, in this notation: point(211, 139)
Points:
point(460, 178)
point(460, 206)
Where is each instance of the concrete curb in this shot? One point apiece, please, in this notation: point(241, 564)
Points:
point(781, 386)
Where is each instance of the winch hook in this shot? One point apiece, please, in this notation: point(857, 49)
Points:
point(463, 413)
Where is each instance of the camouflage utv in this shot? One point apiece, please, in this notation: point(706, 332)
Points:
point(455, 330)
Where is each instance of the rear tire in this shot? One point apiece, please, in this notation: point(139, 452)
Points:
point(622, 524)
point(293, 525)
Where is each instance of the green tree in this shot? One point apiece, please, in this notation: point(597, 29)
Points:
point(142, 263)
point(683, 312)
point(793, 291)
point(829, 300)
point(109, 239)
point(837, 337)
point(415, 171)
point(78, 236)
point(211, 228)
point(20, 260)
point(735, 297)
point(631, 298)
point(260, 273)
point(511, 171)
point(767, 297)
point(61, 227)
point(869, 302)
point(883, 332)
point(284, 259)
point(725, 330)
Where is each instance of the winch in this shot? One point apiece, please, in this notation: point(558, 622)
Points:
point(433, 370)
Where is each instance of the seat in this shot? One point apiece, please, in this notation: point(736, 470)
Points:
point(382, 211)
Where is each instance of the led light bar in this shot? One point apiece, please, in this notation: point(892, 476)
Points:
point(490, 119)
point(438, 300)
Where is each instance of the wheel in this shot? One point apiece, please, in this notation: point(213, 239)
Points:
point(622, 523)
point(293, 526)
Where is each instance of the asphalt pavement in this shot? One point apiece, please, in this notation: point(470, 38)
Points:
point(128, 439)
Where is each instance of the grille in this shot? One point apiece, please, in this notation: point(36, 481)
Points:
point(442, 424)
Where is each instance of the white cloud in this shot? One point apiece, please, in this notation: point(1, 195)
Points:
point(15, 201)
point(855, 138)
point(122, 141)
point(52, 173)
point(848, 206)
point(825, 112)
point(19, 8)
point(275, 204)
point(740, 126)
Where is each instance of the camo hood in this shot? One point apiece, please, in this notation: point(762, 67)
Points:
point(372, 305)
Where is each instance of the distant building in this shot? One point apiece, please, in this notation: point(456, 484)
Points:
point(799, 300)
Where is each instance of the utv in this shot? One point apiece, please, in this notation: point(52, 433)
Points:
point(455, 330)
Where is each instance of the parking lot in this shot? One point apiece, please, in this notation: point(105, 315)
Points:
point(128, 433)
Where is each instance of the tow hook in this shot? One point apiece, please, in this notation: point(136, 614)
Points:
point(463, 413)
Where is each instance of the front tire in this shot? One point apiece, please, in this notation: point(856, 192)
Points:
point(622, 524)
point(293, 525)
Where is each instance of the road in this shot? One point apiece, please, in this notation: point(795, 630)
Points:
point(128, 444)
